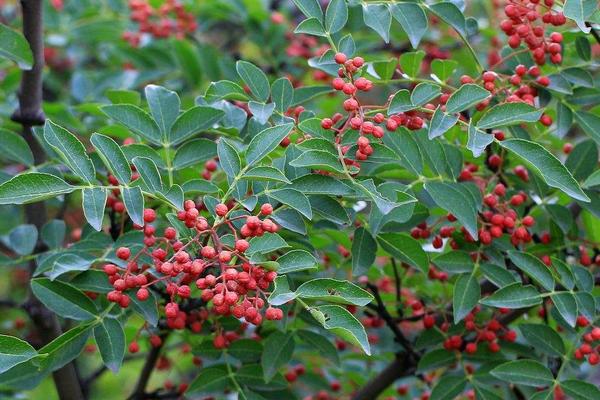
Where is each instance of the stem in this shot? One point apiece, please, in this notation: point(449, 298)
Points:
point(29, 114)
point(140, 387)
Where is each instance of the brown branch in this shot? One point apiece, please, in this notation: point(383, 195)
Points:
point(30, 114)
point(139, 393)
point(594, 33)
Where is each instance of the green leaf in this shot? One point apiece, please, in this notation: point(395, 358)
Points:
point(378, 18)
point(450, 14)
point(457, 200)
point(246, 350)
point(266, 141)
point(279, 348)
point(281, 294)
point(564, 120)
point(149, 173)
point(22, 239)
point(192, 121)
point(513, 296)
point(583, 159)
point(122, 96)
point(15, 47)
point(319, 343)
point(210, 379)
point(318, 159)
point(310, 8)
point(266, 243)
point(68, 262)
point(406, 147)
point(413, 20)
point(229, 159)
point(454, 262)
point(336, 16)
point(590, 123)
point(188, 58)
point(524, 372)
point(592, 180)
point(227, 90)
point(364, 249)
point(64, 299)
point(443, 69)
point(294, 199)
point(546, 165)
point(311, 26)
point(509, 114)
point(112, 156)
point(567, 306)
point(499, 276)
point(466, 296)
point(424, 92)
point(64, 348)
point(164, 105)
point(584, 50)
point(31, 187)
point(441, 123)
point(580, 390)
point(53, 233)
point(110, 338)
point(136, 119)
point(134, 203)
point(93, 201)
point(282, 94)
point(405, 248)
point(564, 272)
point(543, 338)
point(194, 152)
point(410, 62)
point(71, 151)
point(435, 359)
point(296, 260)
point(264, 173)
point(448, 387)
point(255, 79)
point(15, 148)
point(14, 351)
point(261, 112)
point(334, 291)
point(465, 97)
point(478, 140)
point(400, 102)
point(580, 11)
point(342, 323)
point(533, 267)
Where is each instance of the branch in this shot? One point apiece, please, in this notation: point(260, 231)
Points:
point(391, 323)
point(593, 32)
point(28, 115)
point(400, 367)
point(139, 393)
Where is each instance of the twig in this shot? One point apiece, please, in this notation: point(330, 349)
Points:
point(139, 393)
point(30, 114)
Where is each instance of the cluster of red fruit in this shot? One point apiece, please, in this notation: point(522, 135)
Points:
point(513, 88)
point(170, 19)
point(210, 166)
point(223, 273)
point(489, 332)
point(525, 24)
point(588, 348)
point(358, 119)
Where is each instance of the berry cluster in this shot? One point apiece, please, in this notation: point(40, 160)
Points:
point(526, 24)
point(222, 272)
point(590, 347)
point(489, 332)
point(170, 19)
point(359, 119)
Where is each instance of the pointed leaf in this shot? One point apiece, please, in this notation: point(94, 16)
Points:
point(71, 151)
point(112, 156)
point(93, 202)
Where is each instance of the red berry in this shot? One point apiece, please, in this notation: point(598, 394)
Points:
point(340, 58)
point(266, 209)
point(123, 253)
